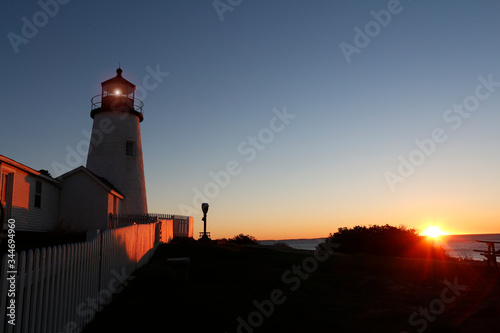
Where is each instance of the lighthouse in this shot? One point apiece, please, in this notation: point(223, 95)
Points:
point(115, 150)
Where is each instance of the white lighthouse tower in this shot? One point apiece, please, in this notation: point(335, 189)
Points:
point(115, 151)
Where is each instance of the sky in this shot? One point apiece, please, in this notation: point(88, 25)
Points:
point(290, 118)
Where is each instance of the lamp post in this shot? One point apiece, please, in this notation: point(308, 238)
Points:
point(204, 208)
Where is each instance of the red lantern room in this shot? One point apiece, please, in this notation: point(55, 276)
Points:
point(117, 95)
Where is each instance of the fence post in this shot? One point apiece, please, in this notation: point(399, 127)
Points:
point(27, 296)
point(38, 306)
point(48, 291)
point(100, 261)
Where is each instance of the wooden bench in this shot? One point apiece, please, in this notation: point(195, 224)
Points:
point(490, 254)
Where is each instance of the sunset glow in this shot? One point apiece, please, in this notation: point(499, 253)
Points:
point(433, 231)
point(287, 128)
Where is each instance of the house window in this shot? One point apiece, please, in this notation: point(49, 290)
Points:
point(3, 193)
point(6, 189)
point(129, 149)
point(38, 194)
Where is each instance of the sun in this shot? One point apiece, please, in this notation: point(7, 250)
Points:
point(433, 231)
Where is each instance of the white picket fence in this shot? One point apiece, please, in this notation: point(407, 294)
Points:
point(60, 289)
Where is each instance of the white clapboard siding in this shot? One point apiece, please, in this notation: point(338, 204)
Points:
point(57, 288)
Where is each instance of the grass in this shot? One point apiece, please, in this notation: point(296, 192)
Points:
point(345, 293)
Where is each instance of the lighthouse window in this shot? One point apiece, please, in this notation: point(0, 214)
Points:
point(38, 194)
point(129, 149)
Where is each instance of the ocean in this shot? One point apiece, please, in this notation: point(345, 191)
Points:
point(458, 246)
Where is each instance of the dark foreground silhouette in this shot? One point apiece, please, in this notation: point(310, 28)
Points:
point(240, 288)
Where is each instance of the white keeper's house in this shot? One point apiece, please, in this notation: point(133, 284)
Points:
point(108, 192)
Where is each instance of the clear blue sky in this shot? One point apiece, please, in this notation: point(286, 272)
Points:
point(350, 117)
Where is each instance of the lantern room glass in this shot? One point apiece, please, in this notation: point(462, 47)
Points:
point(118, 89)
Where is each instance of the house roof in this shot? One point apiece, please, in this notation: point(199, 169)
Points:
point(100, 180)
point(20, 166)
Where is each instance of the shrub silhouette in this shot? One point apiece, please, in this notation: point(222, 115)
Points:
point(387, 241)
point(243, 239)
